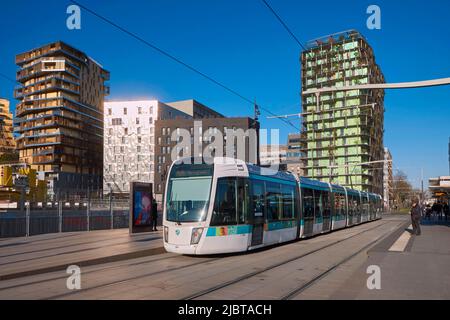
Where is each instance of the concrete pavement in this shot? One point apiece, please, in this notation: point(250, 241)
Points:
point(50, 252)
point(330, 266)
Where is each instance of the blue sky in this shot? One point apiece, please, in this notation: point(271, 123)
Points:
point(241, 44)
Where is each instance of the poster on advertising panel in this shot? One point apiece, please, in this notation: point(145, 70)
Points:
point(141, 201)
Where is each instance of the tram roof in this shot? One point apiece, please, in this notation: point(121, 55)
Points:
point(262, 171)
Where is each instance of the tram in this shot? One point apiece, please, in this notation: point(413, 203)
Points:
point(226, 205)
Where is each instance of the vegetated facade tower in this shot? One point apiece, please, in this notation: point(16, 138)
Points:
point(342, 129)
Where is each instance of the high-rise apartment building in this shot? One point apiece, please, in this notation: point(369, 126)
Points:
point(129, 150)
point(343, 128)
point(388, 180)
point(7, 143)
point(60, 117)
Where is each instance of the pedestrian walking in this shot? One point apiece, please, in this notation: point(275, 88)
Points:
point(154, 215)
point(446, 210)
point(439, 210)
point(428, 212)
point(416, 213)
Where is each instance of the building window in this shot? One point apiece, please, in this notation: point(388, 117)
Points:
point(109, 111)
point(116, 121)
point(125, 130)
point(139, 110)
point(138, 148)
point(137, 120)
point(150, 120)
point(125, 111)
point(138, 130)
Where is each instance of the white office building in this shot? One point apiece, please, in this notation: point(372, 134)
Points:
point(129, 141)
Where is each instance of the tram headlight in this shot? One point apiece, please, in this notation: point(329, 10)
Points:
point(196, 235)
point(166, 234)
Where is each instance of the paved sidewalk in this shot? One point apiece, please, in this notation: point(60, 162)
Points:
point(420, 271)
point(51, 252)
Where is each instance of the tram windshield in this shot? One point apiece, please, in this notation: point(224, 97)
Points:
point(188, 192)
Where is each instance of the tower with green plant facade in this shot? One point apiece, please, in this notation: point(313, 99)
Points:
point(342, 130)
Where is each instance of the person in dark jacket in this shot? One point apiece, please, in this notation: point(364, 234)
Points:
point(154, 215)
point(416, 213)
point(446, 210)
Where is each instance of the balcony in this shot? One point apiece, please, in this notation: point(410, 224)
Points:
point(43, 68)
point(48, 50)
point(52, 84)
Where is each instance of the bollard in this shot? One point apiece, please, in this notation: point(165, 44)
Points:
point(88, 214)
point(111, 213)
point(60, 216)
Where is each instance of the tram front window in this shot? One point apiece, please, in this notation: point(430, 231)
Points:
point(188, 192)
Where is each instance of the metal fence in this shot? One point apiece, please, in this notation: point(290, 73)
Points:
point(51, 217)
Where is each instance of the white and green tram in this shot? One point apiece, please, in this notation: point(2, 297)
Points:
point(227, 205)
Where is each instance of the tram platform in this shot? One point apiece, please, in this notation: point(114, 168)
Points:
point(52, 252)
point(411, 267)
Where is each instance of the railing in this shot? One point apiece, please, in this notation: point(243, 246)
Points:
point(56, 217)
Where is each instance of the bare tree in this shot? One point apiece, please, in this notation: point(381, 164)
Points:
point(403, 190)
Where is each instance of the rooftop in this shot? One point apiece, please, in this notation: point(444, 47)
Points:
point(334, 37)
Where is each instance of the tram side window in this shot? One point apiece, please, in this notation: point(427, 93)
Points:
point(288, 193)
point(258, 198)
point(318, 202)
point(308, 202)
point(358, 204)
point(243, 200)
point(273, 198)
point(339, 204)
point(365, 205)
point(224, 212)
point(351, 205)
point(326, 203)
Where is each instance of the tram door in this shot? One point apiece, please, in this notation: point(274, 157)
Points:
point(326, 202)
point(258, 209)
point(308, 211)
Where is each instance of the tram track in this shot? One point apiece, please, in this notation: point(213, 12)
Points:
point(88, 272)
point(131, 278)
point(275, 265)
point(310, 283)
point(64, 252)
point(204, 261)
